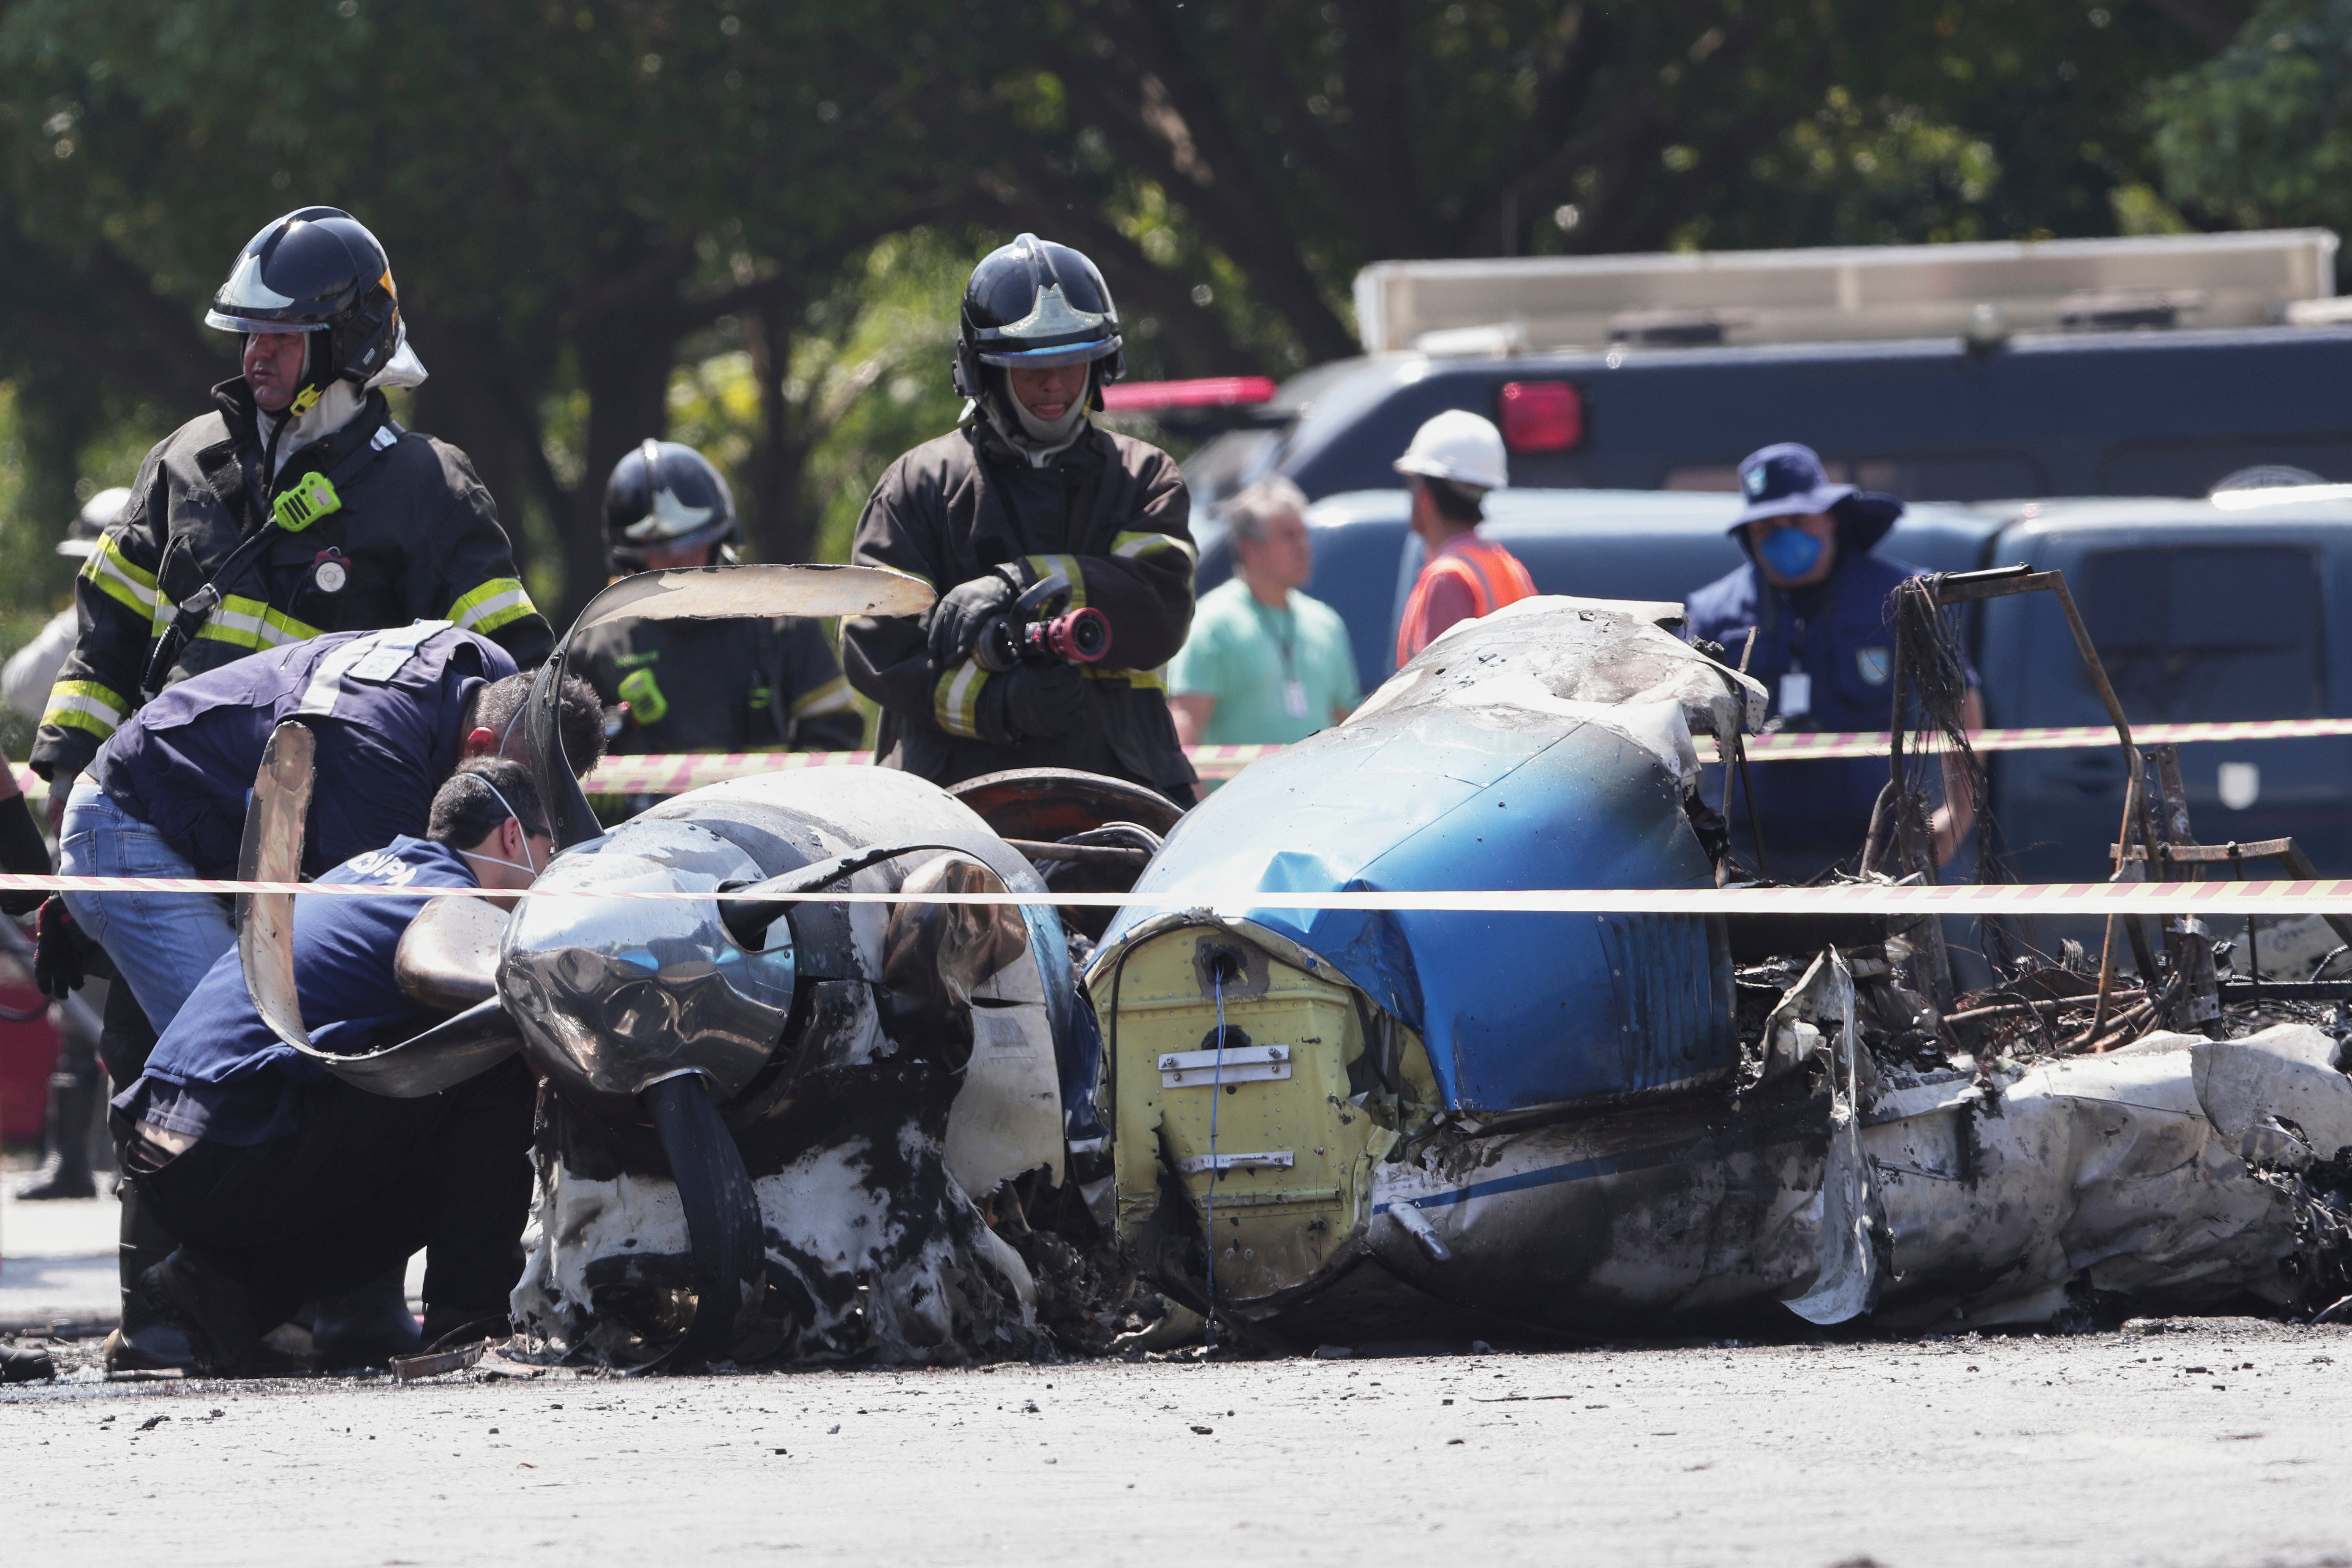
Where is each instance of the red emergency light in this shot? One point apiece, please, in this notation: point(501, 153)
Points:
point(1541, 416)
point(1207, 392)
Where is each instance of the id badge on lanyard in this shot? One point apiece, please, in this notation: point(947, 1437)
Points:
point(1293, 698)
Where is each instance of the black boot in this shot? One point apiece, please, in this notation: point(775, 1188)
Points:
point(143, 1342)
point(64, 1168)
point(216, 1315)
point(25, 1366)
point(367, 1326)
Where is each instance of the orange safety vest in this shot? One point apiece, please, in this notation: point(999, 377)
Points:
point(1493, 575)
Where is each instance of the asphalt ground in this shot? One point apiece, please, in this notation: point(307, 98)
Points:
point(2192, 1442)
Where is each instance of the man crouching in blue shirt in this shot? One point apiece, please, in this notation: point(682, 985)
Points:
point(285, 1183)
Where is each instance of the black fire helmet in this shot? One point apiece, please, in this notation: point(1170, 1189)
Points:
point(317, 269)
point(1037, 303)
point(666, 496)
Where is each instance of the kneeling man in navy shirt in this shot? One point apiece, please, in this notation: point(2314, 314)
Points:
point(286, 1184)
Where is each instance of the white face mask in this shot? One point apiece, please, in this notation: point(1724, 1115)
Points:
point(514, 816)
point(1057, 433)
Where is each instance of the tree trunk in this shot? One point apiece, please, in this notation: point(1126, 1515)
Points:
point(57, 414)
point(779, 524)
point(625, 354)
point(465, 402)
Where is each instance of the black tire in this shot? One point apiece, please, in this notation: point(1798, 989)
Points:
point(730, 1255)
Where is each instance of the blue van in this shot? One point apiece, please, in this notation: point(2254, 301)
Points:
point(2145, 413)
point(2200, 611)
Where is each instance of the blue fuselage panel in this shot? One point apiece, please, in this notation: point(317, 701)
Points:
point(1516, 1011)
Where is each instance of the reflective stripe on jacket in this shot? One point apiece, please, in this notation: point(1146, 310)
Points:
point(1109, 513)
point(417, 537)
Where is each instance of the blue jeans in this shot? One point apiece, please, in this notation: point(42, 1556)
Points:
point(161, 943)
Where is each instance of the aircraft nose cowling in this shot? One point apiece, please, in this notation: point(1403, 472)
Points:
point(615, 993)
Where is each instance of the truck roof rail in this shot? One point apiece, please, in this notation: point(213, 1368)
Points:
point(1502, 305)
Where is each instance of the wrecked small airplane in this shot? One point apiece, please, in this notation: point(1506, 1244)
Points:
point(782, 1130)
point(770, 1127)
point(1342, 1126)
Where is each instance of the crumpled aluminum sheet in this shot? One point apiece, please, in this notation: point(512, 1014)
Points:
point(2134, 1171)
point(2154, 1173)
point(1619, 1220)
point(1619, 663)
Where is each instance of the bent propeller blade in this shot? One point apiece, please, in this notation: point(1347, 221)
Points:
point(697, 593)
point(716, 593)
point(272, 852)
point(474, 1041)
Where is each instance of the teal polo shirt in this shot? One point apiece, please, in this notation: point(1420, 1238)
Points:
point(1246, 655)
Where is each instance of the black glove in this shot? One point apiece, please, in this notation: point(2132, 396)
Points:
point(957, 617)
point(56, 950)
point(1034, 701)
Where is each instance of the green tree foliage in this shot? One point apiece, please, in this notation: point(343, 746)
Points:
point(567, 191)
point(744, 221)
point(2262, 134)
point(1300, 139)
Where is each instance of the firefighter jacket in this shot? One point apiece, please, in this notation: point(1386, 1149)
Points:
point(720, 686)
point(1109, 513)
point(413, 537)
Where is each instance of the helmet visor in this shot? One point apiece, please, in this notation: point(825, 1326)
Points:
point(247, 303)
point(1001, 353)
point(227, 322)
point(1053, 332)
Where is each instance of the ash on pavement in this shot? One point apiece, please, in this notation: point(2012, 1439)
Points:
point(2185, 1441)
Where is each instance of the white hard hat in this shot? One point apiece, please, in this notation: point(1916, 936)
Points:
point(1458, 445)
point(102, 512)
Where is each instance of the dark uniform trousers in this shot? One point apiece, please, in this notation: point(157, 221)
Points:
point(415, 537)
point(1112, 515)
point(363, 1182)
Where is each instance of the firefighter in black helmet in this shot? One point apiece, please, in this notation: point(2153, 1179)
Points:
point(705, 686)
point(296, 507)
point(1026, 490)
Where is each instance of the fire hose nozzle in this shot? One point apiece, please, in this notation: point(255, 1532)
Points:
point(1081, 636)
point(1026, 633)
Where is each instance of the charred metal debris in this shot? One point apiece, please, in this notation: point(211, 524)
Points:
point(816, 1132)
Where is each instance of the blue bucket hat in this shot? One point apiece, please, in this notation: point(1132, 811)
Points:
point(1786, 479)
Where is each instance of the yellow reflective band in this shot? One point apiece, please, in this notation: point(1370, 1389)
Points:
point(1130, 545)
point(831, 698)
point(1043, 566)
point(955, 702)
point(113, 574)
point(500, 601)
point(251, 624)
point(85, 705)
point(1142, 679)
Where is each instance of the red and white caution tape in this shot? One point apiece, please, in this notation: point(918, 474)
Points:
point(2219, 900)
point(1787, 746)
point(675, 772)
